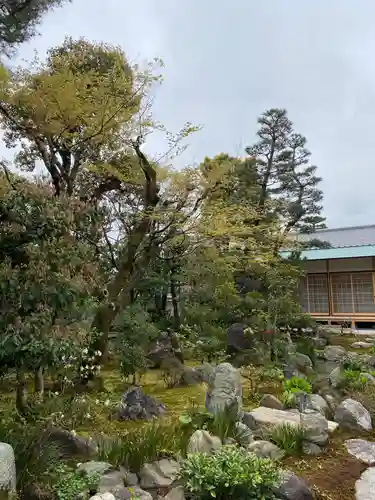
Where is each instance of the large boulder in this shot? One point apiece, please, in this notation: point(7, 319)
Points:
point(224, 390)
point(365, 486)
point(300, 362)
point(237, 340)
point(293, 487)
point(271, 401)
point(352, 415)
point(160, 474)
point(265, 417)
point(316, 427)
point(136, 405)
point(202, 442)
point(337, 377)
point(362, 450)
point(167, 346)
point(334, 353)
point(69, 444)
point(266, 449)
point(318, 403)
point(7, 469)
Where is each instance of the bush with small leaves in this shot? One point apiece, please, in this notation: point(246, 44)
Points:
point(72, 484)
point(229, 474)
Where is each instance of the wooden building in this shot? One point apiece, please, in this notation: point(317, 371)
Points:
point(339, 286)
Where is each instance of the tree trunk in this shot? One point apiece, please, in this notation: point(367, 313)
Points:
point(39, 383)
point(175, 305)
point(21, 395)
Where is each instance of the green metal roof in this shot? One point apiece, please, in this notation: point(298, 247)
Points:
point(335, 253)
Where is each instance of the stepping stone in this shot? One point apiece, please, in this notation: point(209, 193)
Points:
point(362, 345)
point(365, 486)
point(271, 416)
point(362, 450)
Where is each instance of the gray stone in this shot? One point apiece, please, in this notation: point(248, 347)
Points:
point(93, 467)
point(136, 493)
point(249, 421)
point(205, 370)
point(370, 379)
point(112, 482)
point(311, 449)
point(301, 362)
point(318, 403)
point(320, 342)
point(237, 340)
point(334, 353)
point(224, 390)
point(190, 376)
point(269, 416)
point(293, 487)
point(244, 435)
point(176, 494)
point(365, 486)
point(352, 415)
point(159, 474)
point(136, 405)
point(103, 496)
point(316, 428)
point(270, 401)
point(202, 442)
point(370, 340)
point(336, 377)
point(7, 468)
point(362, 450)
point(266, 449)
point(362, 345)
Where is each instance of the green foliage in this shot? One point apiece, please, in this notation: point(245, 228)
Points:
point(147, 444)
point(307, 347)
point(351, 364)
point(34, 456)
point(292, 388)
point(287, 437)
point(229, 474)
point(71, 484)
point(354, 380)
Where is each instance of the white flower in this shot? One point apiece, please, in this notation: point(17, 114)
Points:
point(73, 433)
point(79, 464)
point(85, 350)
point(62, 415)
point(97, 401)
point(98, 353)
point(107, 402)
point(56, 393)
point(88, 415)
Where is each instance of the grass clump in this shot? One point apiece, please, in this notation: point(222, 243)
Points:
point(288, 437)
point(229, 474)
point(139, 446)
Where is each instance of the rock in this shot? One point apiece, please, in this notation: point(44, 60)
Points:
point(365, 486)
point(266, 449)
point(334, 353)
point(205, 370)
point(362, 450)
point(70, 445)
point(130, 478)
point(136, 493)
point(7, 468)
point(202, 442)
point(270, 401)
point(362, 345)
point(318, 403)
point(168, 346)
point(370, 340)
point(311, 449)
point(159, 474)
point(316, 427)
point(290, 371)
point(370, 379)
point(224, 390)
point(319, 342)
point(244, 435)
point(269, 416)
point(301, 362)
point(176, 494)
point(190, 376)
point(103, 496)
point(249, 421)
point(293, 487)
point(237, 340)
point(352, 415)
point(113, 482)
point(368, 360)
point(336, 377)
point(136, 405)
point(93, 467)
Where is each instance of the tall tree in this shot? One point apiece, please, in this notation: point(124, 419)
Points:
point(19, 18)
point(289, 186)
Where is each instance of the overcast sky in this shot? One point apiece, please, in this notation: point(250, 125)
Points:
point(226, 62)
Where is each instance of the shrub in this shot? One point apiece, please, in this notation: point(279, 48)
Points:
point(70, 483)
point(354, 380)
point(292, 387)
point(288, 437)
point(146, 444)
point(229, 474)
point(351, 364)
